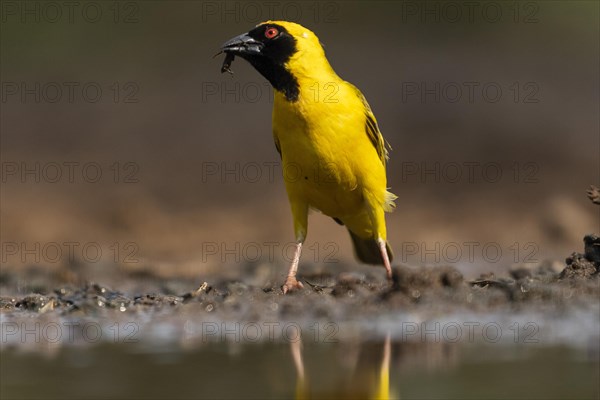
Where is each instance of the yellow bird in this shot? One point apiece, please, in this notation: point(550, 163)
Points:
point(333, 154)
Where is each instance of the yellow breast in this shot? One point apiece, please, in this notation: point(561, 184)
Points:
point(328, 160)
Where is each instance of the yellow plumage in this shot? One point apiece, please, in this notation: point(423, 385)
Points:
point(333, 154)
point(329, 160)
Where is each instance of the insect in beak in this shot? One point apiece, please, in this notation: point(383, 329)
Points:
point(229, 57)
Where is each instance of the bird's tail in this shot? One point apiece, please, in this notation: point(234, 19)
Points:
point(367, 250)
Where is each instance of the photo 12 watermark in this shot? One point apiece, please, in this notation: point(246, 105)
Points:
point(469, 252)
point(68, 332)
point(253, 332)
point(68, 252)
point(468, 12)
point(470, 172)
point(469, 332)
point(255, 92)
point(70, 92)
point(254, 12)
point(267, 172)
point(469, 92)
point(69, 12)
point(69, 172)
point(252, 252)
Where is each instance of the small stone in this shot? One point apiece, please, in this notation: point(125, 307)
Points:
point(592, 249)
point(577, 267)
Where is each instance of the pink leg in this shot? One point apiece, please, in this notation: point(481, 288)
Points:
point(291, 283)
point(386, 259)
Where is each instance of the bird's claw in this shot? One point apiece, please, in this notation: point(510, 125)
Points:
point(291, 284)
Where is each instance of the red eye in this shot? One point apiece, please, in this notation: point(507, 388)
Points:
point(270, 33)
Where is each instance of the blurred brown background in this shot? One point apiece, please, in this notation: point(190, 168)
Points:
point(167, 126)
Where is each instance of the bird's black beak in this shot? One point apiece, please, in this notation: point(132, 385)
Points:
point(242, 45)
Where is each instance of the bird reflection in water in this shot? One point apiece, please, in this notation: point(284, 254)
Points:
point(369, 376)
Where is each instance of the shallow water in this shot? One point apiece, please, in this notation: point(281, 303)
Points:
point(331, 370)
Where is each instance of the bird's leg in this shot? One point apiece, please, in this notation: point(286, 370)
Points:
point(300, 214)
point(291, 283)
point(385, 257)
point(379, 229)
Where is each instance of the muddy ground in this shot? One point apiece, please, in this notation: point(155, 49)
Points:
point(553, 289)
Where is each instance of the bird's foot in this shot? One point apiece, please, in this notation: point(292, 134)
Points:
point(291, 284)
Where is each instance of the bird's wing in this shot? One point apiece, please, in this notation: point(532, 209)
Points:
point(277, 146)
point(372, 129)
